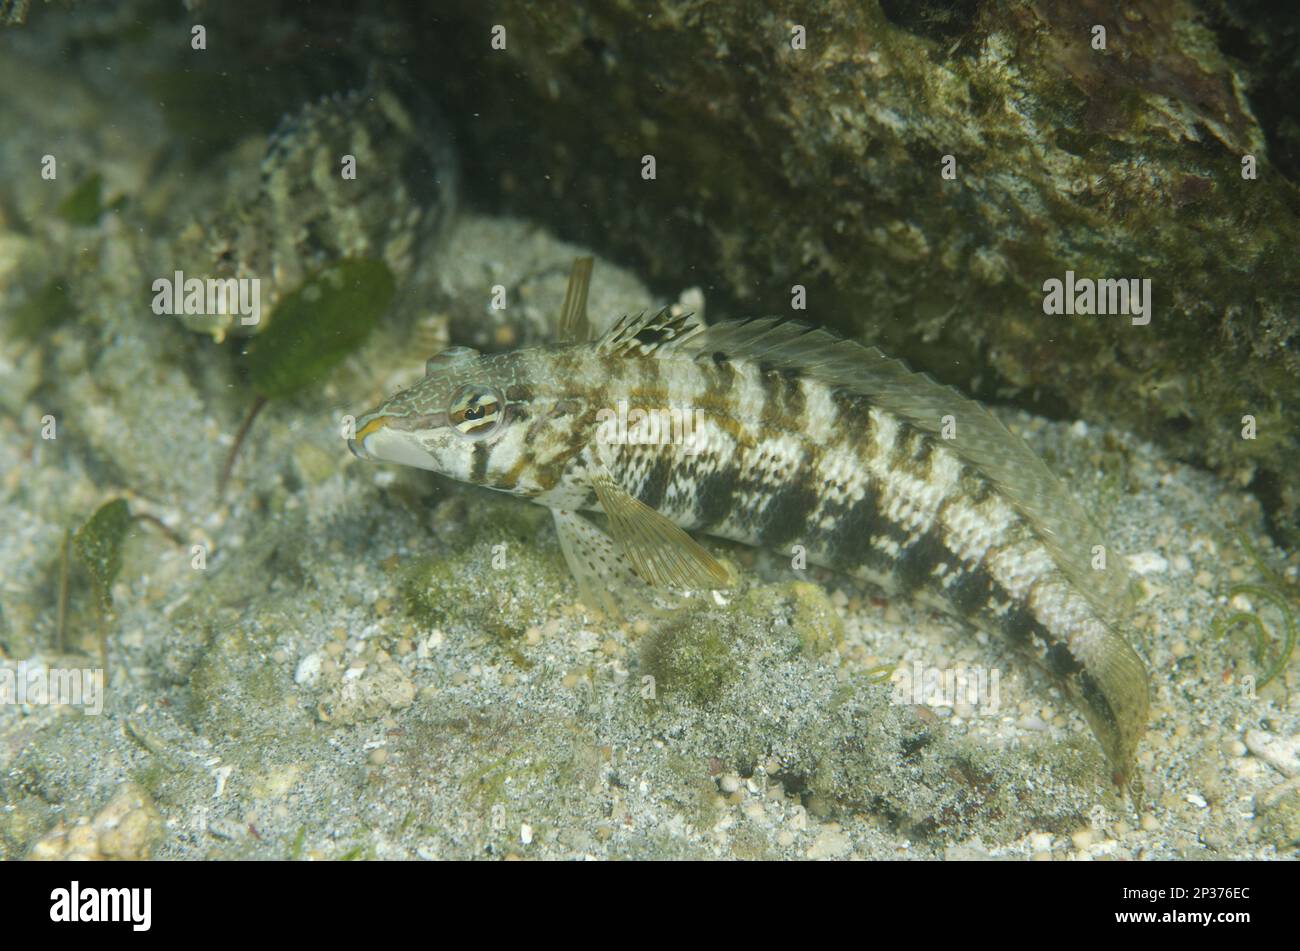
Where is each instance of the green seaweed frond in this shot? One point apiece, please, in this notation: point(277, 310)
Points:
point(1276, 591)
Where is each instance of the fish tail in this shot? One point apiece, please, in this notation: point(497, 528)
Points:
point(1112, 691)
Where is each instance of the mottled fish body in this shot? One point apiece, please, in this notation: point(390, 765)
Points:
point(307, 206)
point(776, 434)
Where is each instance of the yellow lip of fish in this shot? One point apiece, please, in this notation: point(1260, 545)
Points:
point(379, 422)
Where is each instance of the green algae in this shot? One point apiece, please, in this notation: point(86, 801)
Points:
point(84, 205)
point(697, 791)
point(466, 592)
point(716, 672)
point(316, 327)
point(99, 545)
point(1283, 597)
point(45, 310)
point(500, 767)
point(1273, 661)
point(309, 332)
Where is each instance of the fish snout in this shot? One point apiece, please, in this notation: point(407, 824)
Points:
point(367, 425)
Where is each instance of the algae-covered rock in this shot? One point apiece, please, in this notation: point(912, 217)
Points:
point(814, 618)
point(701, 653)
point(493, 580)
point(695, 658)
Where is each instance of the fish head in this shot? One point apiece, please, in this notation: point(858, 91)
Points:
point(467, 419)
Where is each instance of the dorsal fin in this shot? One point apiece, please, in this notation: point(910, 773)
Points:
point(981, 439)
point(647, 335)
point(573, 326)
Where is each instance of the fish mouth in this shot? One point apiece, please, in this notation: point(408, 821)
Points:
point(392, 439)
point(357, 444)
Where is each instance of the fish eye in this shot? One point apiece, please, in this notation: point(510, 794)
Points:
point(475, 411)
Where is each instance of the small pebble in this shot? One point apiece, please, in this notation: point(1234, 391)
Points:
point(309, 670)
point(1280, 752)
point(1148, 563)
point(830, 844)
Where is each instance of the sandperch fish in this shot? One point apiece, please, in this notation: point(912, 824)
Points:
point(786, 435)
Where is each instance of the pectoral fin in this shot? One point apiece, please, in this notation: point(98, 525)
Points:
point(605, 578)
point(661, 553)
